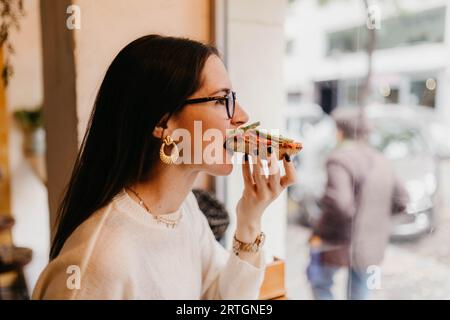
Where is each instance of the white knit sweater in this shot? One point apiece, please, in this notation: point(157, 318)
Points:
point(121, 252)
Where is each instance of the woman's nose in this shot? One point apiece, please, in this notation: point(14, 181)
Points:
point(240, 116)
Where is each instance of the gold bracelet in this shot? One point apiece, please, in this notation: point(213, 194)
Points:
point(248, 247)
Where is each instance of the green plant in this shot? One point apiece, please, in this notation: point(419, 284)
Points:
point(10, 13)
point(29, 120)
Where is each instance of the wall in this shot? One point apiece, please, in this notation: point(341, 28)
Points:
point(106, 27)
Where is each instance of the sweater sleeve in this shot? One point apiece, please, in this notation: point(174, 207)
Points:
point(224, 275)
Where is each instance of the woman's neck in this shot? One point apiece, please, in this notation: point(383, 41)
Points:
point(166, 188)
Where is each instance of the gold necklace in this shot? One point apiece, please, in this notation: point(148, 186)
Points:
point(159, 218)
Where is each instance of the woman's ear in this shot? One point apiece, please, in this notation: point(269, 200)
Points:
point(158, 131)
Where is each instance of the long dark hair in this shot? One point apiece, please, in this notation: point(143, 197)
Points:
point(149, 79)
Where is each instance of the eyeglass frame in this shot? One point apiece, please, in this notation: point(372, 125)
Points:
point(218, 98)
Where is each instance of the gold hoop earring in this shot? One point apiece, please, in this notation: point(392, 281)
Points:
point(173, 155)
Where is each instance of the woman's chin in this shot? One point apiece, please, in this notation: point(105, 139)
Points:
point(220, 169)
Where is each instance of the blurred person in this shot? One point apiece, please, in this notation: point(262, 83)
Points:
point(362, 192)
point(129, 225)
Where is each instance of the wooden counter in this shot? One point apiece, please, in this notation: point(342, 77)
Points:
point(273, 287)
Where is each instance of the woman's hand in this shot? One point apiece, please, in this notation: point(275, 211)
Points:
point(259, 191)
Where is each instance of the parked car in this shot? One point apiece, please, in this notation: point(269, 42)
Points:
point(406, 135)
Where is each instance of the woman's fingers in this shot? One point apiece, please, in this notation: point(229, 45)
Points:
point(259, 188)
point(290, 177)
point(258, 173)
point(246, 172)
point(274, 172)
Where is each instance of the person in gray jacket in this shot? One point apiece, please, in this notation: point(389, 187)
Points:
point(362, 192)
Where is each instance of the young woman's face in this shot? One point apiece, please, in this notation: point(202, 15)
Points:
point(207, 122)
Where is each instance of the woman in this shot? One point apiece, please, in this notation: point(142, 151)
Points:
point(130, 227)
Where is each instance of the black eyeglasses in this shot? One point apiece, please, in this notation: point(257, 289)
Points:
point(229, 99)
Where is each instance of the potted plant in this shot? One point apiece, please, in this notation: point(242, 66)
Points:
point(32, 125)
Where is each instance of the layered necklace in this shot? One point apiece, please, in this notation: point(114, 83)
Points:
point(169, 223)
